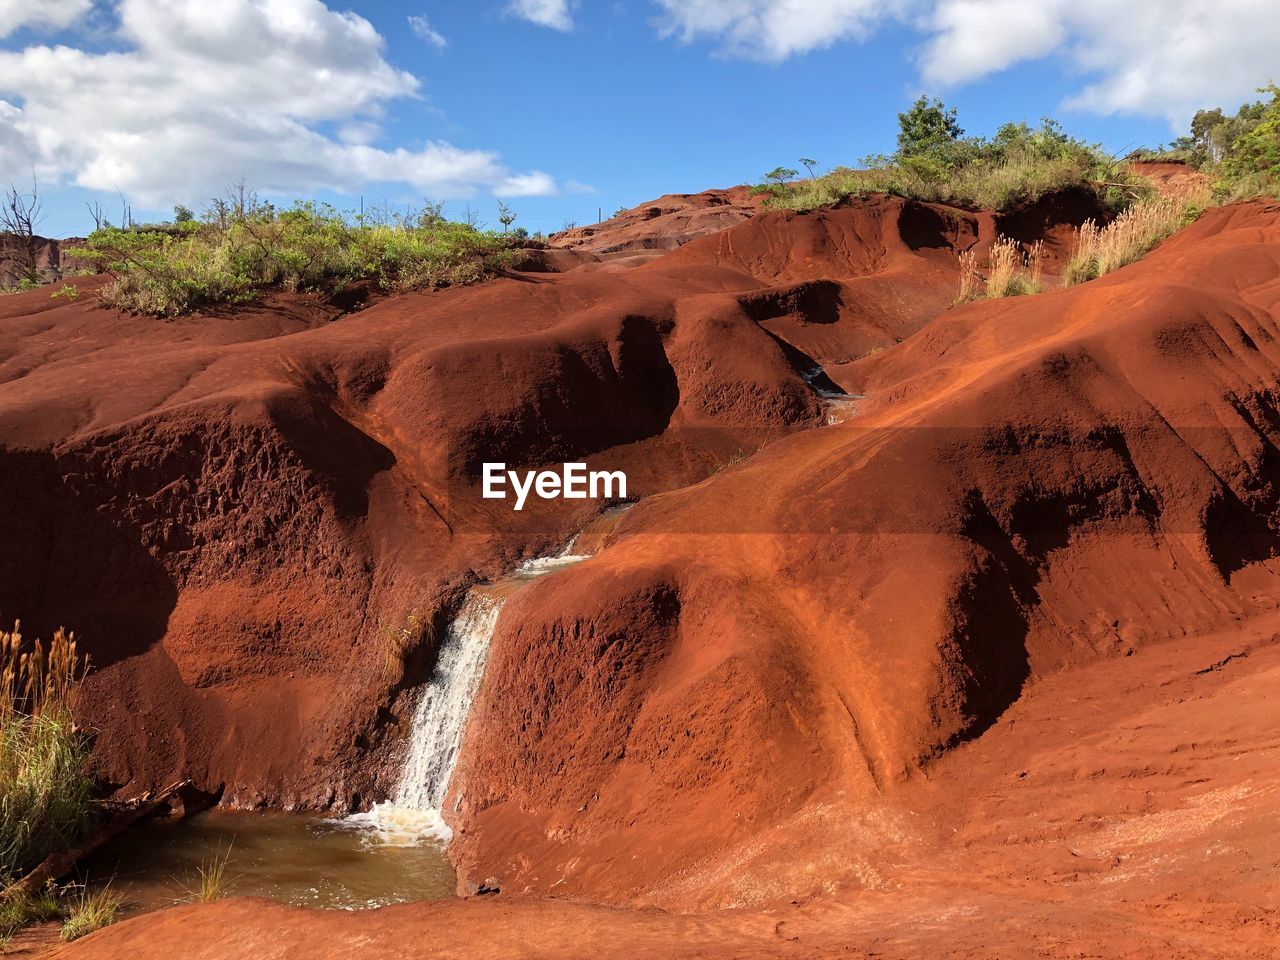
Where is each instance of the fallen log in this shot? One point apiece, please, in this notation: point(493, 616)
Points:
point(124, 815)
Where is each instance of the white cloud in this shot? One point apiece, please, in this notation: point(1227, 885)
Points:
point(577, 186)
point(973, 38)
point(1165, 59)
point(200, 94)
point(54, 14)
point(533, 184)
point(424, 31)
point(1159, 59)
point(776, 29)
point(545, 13)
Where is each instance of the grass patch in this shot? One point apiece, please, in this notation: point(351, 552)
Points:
point(976, 185)
point(45, 786)
point(935, 162)
point(240, 249)
point(211, 878)
point(91, 911)
point(17, 912)
point(1014, 271)
point(1098, 250)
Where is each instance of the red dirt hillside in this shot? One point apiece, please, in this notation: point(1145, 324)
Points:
point(244, 505)
point(663, 224)
point(1031, 484)
point(980, 671)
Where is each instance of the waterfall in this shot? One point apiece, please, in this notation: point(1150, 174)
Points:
point(441, 714)
point(415, 810)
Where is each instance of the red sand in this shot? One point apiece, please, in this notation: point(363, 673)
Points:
point(981, 672)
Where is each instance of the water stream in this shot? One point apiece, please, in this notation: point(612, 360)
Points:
point(415, 810)
point(300, 859)
point(392, 854)
point(840, 406)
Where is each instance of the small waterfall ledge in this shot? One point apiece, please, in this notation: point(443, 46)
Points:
point(415, 811)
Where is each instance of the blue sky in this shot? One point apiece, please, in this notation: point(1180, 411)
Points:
point(566, 108)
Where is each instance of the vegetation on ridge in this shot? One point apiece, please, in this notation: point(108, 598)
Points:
point(936, 162)
point(1240, 152)
point(242, 246)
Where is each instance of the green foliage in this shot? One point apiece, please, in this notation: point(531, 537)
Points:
point(90, 912)
point(936, 162)
point(183, 214)
point(928, 128)
point(779, 176)
point(17, 911)
point(506, 216)
point(241, 247)
point(211, 878)
point(1241, 150)
point(1257, 149)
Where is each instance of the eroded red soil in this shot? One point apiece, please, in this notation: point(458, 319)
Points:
point(981, 670)
point(1123, 810)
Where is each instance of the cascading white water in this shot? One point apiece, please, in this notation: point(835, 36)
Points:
point(441, 714)
point(415, 810)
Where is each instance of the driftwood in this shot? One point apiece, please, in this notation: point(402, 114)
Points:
point(123, 816)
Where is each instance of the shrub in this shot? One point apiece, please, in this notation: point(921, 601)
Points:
point(90, 912)
point(45, 787)
point(242, 247)
point(1099, 250)
point(935, 162)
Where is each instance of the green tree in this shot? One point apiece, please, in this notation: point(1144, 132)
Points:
point(809, 165)
point(505, 217)
point(1257, 150)
point(780, 175)
point(929, 127)
point(183, 214)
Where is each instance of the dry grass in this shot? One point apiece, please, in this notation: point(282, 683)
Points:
point(1035, 259)
point(970, 278)
point(90, 912)
point(399, 641)
point(1100, 250)
point(45, 788)
point(1012, 271)
point(1003, 274)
